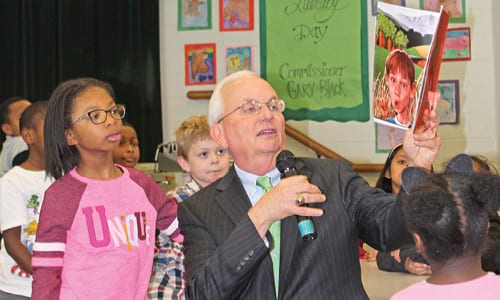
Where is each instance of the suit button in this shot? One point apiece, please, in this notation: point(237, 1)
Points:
point(250, 253)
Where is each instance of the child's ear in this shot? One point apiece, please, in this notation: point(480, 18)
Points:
point(27, 135)
point(217, 134)
point(388, 173)
point(183, 163)
point(419, 245)
point(70, 137)
point(7, 129)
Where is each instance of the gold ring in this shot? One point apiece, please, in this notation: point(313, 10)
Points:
point(299, 198)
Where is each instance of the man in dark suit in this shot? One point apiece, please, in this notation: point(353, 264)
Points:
point(227, 242)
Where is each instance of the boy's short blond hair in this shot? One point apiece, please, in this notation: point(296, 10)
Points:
point(191, 131)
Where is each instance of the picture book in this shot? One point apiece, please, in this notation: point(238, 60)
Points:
point(409, 45)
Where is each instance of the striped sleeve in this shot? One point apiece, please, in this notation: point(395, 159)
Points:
point(166, 207)
point(61, 201)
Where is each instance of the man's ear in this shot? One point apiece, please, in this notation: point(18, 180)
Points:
point(183, 163)
point(7, 129)
point(70, 137)
point(217, 134)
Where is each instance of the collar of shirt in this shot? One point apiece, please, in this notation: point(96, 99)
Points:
point(192, 184)
point(249, 182)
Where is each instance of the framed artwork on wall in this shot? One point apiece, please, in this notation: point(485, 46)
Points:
point(192, 15)
point(457, 45)
point(236, 15)
point(455, 8)
point(387, 137)
point(396, 2)
point(449, 104)
point(200, 64)
point(237, 58)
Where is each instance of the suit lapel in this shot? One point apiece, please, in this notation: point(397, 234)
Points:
point(233, 201)
point(232, 197)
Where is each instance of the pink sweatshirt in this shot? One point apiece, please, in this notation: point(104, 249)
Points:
point(95, 238)
point(484, 287)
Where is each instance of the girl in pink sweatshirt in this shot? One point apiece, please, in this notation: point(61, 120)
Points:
point(96, 233)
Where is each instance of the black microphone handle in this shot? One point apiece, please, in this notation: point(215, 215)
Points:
point(305, 223)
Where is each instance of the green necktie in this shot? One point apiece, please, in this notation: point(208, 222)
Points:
point(265, 183)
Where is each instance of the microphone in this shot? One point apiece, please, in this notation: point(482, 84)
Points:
point(286, 162)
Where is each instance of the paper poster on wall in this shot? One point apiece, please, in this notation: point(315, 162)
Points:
point(449, 104)
point(199, 64)
point(235, 15)
point(316, 58)
point(192, 15)
point(455, 8)
point(238, 58)
point(457, 45)
point(395, 2)
point(387, 137)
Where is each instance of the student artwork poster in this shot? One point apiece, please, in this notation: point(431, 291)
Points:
point(238, 58)
point(449, 103)
point(457, 45)
point(236, 15)
point(200, 64)
point(193, 14)
point(387, 137)
point(396, 2)
point(455, 8)
point(403, 40)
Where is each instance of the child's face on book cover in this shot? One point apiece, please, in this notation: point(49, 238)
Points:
point(400, 91)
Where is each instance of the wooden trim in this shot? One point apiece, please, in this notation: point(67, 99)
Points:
point(319, 149)
point(199, 95)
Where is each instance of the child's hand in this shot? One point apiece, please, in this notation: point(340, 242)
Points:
point(396, 256)
point(371, 255)
point(417, 268)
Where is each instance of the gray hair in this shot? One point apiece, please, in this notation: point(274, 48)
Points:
point(215, 106)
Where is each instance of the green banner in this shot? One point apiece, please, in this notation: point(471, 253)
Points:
point(314, 53)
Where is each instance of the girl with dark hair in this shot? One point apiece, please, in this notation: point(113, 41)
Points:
point(406, 259)
point(96, 233)
point(448, 216)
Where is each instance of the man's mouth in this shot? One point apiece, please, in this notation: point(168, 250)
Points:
point(267, 132)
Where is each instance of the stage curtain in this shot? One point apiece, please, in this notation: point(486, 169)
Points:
point(44, 42)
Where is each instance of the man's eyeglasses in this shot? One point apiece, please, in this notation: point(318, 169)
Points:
point(252, 106)
point(99, 116)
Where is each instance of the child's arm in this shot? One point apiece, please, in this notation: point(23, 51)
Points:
point(16, 249)
point(48, 256)
point(60, 204)
point(167, 221)
point(166, 207)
